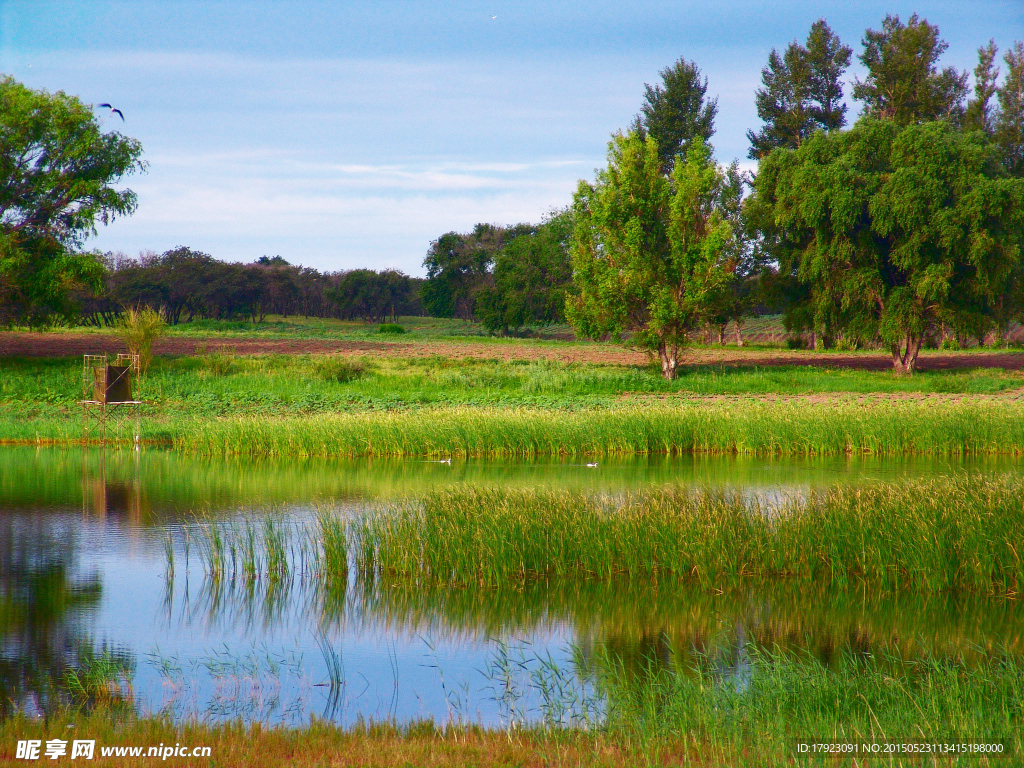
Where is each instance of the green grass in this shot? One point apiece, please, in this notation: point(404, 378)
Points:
point(941, 535)
point(794, 429)
point(98, 678)
point(223, 403)
point(787, 697)
point(220, 383)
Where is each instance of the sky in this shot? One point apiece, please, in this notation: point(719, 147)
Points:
point(350, 134)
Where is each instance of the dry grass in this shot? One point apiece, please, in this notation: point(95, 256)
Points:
point(421, 745)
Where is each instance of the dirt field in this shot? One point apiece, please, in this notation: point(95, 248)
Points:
point(18, 344)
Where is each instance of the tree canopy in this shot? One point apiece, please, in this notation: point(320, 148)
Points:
point(460, 265)
point(652, 254)
point(893, 230)
point(904, 83)
point(802, 91)
point(57, 177)
point(677, 111)
point(532, 274)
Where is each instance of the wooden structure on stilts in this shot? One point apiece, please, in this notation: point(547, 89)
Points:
point(107, 391)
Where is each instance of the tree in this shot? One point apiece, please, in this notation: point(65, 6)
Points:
point(57, 177)
point(651, 254)
point(1009, 125)
point(532, 274)
point(904, 83)
point(372, 296)
point(893, 230)
point(979, 114)
point(459, 267)
point(802, 93)
point(676, 112)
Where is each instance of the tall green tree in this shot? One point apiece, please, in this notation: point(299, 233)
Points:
point(677, 111)
point(651, 254)
point(1009, 124)
point(802, 91)
point(979, 115)
point(904, 82)
point(892, 231)
point(58, 172)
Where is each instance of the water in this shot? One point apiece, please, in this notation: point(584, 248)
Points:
point(83, 572)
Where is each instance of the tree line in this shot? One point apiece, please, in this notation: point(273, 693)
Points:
point(906, 226)
point(184, 285)
point(893, 231)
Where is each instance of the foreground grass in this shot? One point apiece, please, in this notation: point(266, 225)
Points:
point(661, 715)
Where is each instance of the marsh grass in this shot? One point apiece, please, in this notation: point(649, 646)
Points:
point(331, 405)
point(959, 533)
point(746, 428)
point(945, 534)
point(267, 552)
point(106, 677)
point(785, 695)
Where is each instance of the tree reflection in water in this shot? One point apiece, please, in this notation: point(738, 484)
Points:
point(43, 604)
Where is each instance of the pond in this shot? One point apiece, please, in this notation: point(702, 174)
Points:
point(84, 574)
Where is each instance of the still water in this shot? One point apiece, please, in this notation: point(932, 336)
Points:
point(84, 574)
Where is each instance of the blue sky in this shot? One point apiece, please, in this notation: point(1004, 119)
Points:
point(348, 134)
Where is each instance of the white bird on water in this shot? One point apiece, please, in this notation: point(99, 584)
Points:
point(592, 465)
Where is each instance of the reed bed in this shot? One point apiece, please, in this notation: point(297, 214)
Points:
point(961, 533)
point(787, 696)
point(721, 427)
point(266, 550)
point(951, 534)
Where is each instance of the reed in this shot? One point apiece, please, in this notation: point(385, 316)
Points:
point(956, 533)
point(783, 696)
point(739, 428)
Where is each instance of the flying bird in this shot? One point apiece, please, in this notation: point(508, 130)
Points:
point(114, 111)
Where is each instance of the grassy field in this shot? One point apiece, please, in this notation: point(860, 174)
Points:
point(658, 715)
point(331, 405)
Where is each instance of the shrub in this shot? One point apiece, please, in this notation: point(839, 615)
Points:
point(138, 328)
point(393, 328)
point(339, 369)
point(951, 344)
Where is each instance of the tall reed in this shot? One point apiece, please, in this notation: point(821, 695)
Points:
point(762, 428)
point(960, 533)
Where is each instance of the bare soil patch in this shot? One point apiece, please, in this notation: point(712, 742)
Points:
point(22, 344)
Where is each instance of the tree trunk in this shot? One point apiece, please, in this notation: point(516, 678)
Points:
point(721, 334)
point(739, 336)
point(904, 356)
point(669, 360)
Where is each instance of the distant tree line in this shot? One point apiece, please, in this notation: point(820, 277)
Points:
point(184, 285)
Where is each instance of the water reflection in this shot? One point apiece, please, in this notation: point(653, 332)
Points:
point(83, 567)
point(45, 604)
point(149, 487)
